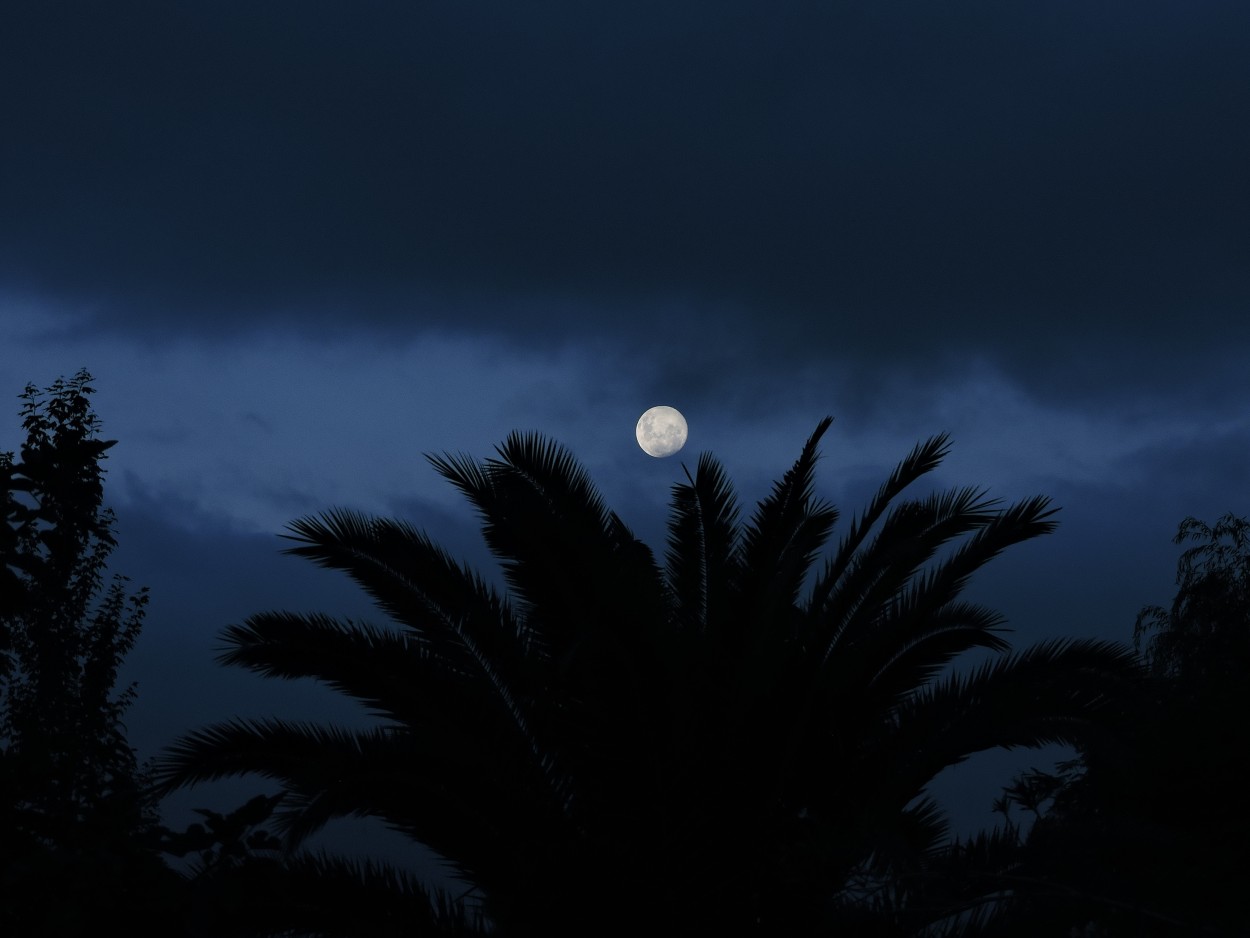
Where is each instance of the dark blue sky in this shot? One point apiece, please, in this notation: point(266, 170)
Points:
point(301, 244)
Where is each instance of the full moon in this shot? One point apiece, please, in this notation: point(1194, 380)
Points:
point(661, 431)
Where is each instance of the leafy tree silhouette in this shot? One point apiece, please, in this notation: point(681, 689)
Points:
point(613, 745)
point(75, 822)
point(1203, 641)
point(1141, 822)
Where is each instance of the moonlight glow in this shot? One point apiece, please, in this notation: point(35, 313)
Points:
point(661, 431)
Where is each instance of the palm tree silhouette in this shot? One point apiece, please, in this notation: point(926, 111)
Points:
point(612, 744)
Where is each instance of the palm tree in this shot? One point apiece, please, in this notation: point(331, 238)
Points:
point(611, 743)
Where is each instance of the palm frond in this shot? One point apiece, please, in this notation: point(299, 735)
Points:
point(276, 749)
point(917, 835)
point(464, 822)
point(463, 471)
point(324, 896)
point(702, 558)
point(444, 792)
point(413, 580)
point(924, 458)
point(423, 589)
point(914, 631)
point(535, 488)
point(785, 534)
point(1017, 523)
point(562, 552)
point(397, 675)
point(879, 574)
point(1052, 692)
point(555, 472)
point(939, 639)
point(591, 595)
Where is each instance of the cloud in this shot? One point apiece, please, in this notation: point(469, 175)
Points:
point(1059, 189)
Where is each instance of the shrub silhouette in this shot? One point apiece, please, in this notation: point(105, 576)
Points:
point(1141, 821)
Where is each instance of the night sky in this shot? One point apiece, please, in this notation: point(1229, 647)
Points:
point(300, 245)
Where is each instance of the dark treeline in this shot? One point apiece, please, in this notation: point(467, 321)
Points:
point(735, 737)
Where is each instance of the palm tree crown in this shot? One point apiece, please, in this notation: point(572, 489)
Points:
point(721, 741)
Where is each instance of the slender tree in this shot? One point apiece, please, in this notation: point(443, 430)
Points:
point(738, 740)
point(73, 813)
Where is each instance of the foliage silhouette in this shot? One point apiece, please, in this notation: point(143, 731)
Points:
point(1203, 640)
point(75, 823)
point(1140, 821)
point(727, 743)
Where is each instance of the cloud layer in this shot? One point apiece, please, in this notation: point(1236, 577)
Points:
point(1061, 189)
